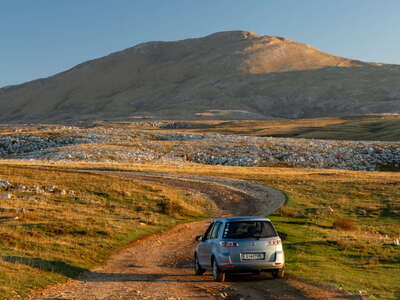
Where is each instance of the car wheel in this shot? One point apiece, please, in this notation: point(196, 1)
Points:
point(198, 270)
point(218, 275)
point(280, 273)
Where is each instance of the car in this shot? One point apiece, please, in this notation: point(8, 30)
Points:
point(239, 245)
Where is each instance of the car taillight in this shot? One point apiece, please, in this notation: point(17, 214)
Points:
point(274, 242)
point(229, 244)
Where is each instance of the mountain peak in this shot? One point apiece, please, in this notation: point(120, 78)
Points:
point(235, 35)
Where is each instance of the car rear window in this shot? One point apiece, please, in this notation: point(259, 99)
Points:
point(249, 229)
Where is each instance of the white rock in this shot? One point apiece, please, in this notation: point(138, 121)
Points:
point(4, 184)
point(5, 196)
point(50, 188)
point(62, 192)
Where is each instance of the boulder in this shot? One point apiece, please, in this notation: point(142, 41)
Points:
point(5, 196)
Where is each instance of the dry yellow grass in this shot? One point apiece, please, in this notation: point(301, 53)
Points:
point(46, 236)
point(369, 127)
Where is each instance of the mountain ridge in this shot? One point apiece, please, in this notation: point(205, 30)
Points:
point(225, 75)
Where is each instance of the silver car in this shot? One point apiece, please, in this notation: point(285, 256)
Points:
point(239, 244)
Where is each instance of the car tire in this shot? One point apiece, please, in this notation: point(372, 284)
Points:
point(278, 274)
point(198, 270)
point(218, 275)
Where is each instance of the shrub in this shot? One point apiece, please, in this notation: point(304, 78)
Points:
point(373, 261)
point(288, 212)
point(170, 208)
point(344, 245)
point(345, 224)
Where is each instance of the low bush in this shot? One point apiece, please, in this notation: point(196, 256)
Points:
point(345, 224)
point(286, 211)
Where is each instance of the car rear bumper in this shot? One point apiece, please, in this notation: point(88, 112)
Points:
point(227, 263)
point(245, 267)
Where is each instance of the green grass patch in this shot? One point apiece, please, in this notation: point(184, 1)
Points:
point(360, 257)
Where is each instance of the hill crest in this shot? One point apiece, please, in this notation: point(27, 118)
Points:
point(225, 75)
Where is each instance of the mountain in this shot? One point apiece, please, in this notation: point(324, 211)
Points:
point(226, 75)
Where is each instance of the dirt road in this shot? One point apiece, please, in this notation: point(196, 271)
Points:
point(160, 266)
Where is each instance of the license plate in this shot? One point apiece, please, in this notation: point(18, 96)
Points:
point(252, 256)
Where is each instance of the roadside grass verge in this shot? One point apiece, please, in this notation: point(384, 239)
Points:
point(50, 236)
point(358, 253)
point(340, 224)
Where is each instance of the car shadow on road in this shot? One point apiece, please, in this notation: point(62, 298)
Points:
point(245, 277)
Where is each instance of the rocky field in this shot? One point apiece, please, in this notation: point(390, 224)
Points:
point(106, 143)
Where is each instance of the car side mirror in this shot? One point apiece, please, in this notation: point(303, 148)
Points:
point(282, 235)
point(199, 238)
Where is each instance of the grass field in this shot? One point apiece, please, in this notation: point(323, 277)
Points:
point(47, 237)
point(370, 127)
point(340, 224)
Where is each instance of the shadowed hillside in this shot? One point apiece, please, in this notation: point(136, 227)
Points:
point(227, 75)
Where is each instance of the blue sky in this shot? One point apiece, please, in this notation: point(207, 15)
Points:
point(39, 38)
